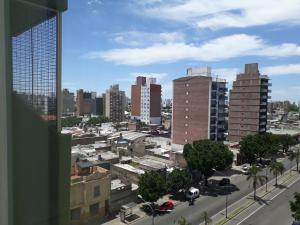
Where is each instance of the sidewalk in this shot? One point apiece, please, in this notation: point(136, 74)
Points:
point(138, 212)
point(245, 207)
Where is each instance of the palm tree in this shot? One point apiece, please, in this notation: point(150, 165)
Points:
point(254, 175)
point(183, 221)
point(206, 218)
point(295, 156)
point(276, 168)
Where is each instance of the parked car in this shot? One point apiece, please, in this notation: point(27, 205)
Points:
point(192, 193)
point(224, 182)
point(245, 168)
point(296, 223)
point(167, 206)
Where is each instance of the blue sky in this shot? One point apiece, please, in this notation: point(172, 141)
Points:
point(111, 41)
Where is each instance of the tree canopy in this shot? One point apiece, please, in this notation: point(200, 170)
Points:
point(70, 121)
point(207, 155)
point(178, 179)
point(295, 206)
point(152, 186)
point(97, 120)
point(286, 141)
point(258, 146)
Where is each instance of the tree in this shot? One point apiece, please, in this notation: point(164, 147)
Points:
point(178, 179)
point(248, 148)
point(295, 206)
point(295, 156)
point(258, 146)
point(152, 186)
point(277, 168)
point(183, 221)
point(70, 121)
point(254, 175)
point(97, 120)
point(286, 141)
point(207, 155)
point(206, 218)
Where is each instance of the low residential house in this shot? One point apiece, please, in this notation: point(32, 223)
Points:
point(90, 194)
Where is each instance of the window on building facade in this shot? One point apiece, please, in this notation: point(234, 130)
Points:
point(75, 214)
point(96, 191)
point(94, 209)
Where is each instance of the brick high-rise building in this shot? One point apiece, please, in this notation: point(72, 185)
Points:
point(85, 102)
point(248, 104)
point(115, 104)
point(198, 107)
point(146, 100)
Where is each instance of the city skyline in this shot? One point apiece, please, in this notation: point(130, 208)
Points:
point(139, 41)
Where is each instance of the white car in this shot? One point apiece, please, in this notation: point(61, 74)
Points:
point(192, 193)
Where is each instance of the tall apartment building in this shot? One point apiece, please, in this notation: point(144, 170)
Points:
point(34, 155)
point(146, 100)
point(198, 107)
point(248, 104)
point(85, 102)
point(115, 104)
point(100, 106)
point(68, 102)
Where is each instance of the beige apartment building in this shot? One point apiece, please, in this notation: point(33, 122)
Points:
point(248, 104)
point(90, 195)
point(115, 104)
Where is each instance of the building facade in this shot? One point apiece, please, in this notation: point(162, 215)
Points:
point(248, 104)
point(85, 103)
point(198, 107)
point(90, 195)
point(146, 100)
point(68, 102)
point(34, 155)
point(99, 106)
point(115, 104)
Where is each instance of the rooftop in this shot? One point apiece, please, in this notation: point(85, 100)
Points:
point(130, 168)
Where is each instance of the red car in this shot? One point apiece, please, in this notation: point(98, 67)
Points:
point(166, 207)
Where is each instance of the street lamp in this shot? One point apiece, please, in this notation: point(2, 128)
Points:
point(227, 192)
point(149, 204)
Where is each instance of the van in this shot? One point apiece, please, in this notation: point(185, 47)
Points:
point(192, 193)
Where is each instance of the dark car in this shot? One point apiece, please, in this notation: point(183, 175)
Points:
point(224, 182)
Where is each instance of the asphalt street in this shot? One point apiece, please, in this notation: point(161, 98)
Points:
point(277, 212)
point(211, 202)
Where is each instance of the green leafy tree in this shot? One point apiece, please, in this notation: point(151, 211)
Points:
point(206, 218)
point(256, 177)
point(286, 141)
point(295, 206)
point(70, 121)
point(276, 168)
point(178, 179)
point(248, 148)
point(207, 155)
point(152, 186)
point(183, 221)
point(258, 146)
point(97, 120)
point(295, 156)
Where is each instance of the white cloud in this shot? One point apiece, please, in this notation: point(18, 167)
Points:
point(288, 69)
point(158, 76)
point(133, 75)
point(225, 47)
point(93, 2)
point(136, 38)
point(216, 14)
point(226, 73)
